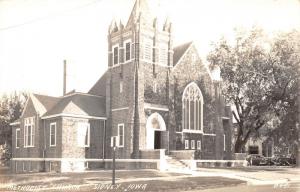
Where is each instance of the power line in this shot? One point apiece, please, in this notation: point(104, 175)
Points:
point(48, 16)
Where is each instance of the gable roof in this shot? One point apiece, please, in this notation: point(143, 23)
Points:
point(38, 104)
point(79, 104)
point(100, 87)
point(47, 101)
point(179, 51)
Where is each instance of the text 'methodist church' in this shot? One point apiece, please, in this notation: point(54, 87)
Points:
point(157, 99)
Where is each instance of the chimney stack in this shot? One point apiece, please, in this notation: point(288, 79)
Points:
point(65, 78)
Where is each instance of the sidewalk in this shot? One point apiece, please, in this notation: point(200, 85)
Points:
point(261, 176)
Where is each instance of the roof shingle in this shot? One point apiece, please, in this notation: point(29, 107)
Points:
point(80, 104)
point(100, 87)
point(179, 51)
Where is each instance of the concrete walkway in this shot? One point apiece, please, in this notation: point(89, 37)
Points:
point(253, 176)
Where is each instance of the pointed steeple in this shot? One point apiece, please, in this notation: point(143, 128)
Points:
point(140, 9)
point(113, 27)
point(167, 25)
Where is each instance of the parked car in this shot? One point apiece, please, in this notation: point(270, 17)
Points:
point(255, 159)
point(267, 161)
point(285, 160)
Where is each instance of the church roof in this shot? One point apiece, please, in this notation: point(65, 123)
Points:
point(179, 51)
point(38, 104)
point(79, 104)
point(47, 101)
point(100, 87)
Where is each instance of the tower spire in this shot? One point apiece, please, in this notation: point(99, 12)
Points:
point(140, 8)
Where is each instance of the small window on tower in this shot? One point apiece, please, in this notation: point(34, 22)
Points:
point(148, 50)
point(127, 51)
point(155, 87)
point(121, 134)
point(163, 54)
point(115, 55)
point(121, 86)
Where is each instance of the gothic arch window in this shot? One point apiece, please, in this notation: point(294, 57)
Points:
point(192, 108)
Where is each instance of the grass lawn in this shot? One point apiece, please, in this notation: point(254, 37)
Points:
point(172, 185)
point(126, 180)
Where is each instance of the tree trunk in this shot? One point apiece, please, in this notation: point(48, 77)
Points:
point(238, 146)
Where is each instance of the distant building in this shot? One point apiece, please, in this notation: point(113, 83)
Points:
point(263, 145)
point(155, 98)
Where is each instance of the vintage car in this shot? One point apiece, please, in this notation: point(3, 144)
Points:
point(255, 159)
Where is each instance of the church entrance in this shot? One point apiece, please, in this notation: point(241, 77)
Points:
point(161, 139)
point(157, 140)
point(156, 134)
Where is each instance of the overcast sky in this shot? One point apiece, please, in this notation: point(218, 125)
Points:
point(37, 35)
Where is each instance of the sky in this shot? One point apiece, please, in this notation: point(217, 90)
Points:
point(37, 35)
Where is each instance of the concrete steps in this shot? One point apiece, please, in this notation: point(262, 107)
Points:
point(176, 165)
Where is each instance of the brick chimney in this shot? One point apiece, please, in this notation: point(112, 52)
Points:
point(65, 78)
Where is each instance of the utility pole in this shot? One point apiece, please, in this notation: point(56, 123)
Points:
point(114, 166)
point(298, 123)
point(114, 144)
point(65, 78)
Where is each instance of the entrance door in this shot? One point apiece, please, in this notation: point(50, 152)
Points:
point(161, 139)
point(157, 139)
point(156, 134)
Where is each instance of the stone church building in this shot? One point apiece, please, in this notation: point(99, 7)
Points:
point(155, 98)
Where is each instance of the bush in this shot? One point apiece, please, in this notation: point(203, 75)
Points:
point(5, 154)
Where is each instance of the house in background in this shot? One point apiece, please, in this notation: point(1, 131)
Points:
point(262, 145)
point(157, 99)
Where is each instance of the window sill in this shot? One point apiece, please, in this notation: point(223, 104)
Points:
point(192, 131)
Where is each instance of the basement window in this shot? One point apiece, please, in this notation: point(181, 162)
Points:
point(199, 145)
point(192, 144)
point(186, 144)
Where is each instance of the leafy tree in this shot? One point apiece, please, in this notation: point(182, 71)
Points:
point(286, 56)
point(260, 77)
point(10, 110)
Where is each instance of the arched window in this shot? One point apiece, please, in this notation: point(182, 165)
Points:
point(192, 108)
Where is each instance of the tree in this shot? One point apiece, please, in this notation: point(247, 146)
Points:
point(259, 76)
point(286, 54)
point(10, 110)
